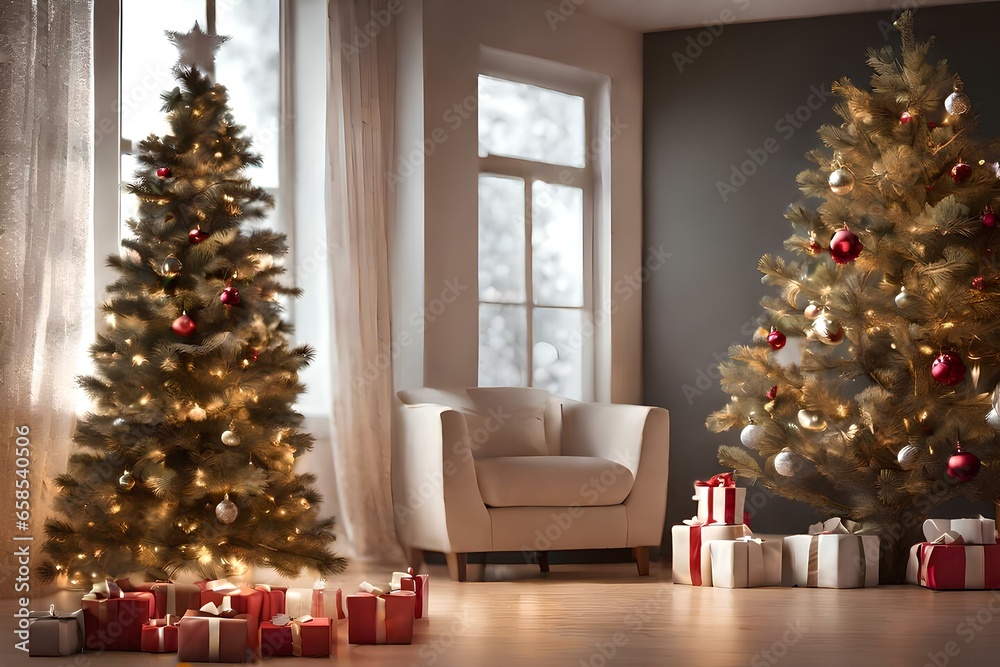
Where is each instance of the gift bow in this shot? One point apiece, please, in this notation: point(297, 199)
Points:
point(281, 620)
point(749, 538)
point(76, 616)
point(104, 590)
point(224, 610)
point(835, 526)
point(365, 587)
point(319, 585)
point(949, 537)
point(161, 625)
point(722, 479)
point(397, 578)
point(221, 586)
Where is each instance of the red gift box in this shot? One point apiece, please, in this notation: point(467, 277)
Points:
point(381, 619)
point(242, 600)
point(274, 600)
point(113, 619)
point(954, 566)
point(160, 636)
point(171, 598)
point(208, 637)
point(418, 583)
point(305, 637)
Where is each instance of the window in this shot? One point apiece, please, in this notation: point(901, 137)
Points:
point(535, 239)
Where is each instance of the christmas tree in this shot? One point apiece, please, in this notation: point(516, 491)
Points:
point(187, 460)
point(893, 293)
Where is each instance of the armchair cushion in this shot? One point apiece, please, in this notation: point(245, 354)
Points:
point(507, 421)
point(552, 481)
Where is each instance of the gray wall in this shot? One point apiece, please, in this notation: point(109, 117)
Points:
point(701, 116)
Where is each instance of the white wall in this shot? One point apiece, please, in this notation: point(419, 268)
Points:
point(445, 157)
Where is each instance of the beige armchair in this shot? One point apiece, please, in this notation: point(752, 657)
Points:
point(516, 469)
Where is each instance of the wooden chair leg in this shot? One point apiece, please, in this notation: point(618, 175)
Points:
point(542, 557)
point(641, 557)
point(458, 566)
point(416, 558)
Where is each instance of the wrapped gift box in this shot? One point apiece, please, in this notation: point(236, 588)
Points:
point(692, 561)
point(273, 602)
point(318, 602)
point(241, 599)
point(55, 633)
point(745, 562)
point(831, 556)
point(973, 531)
point(160, 635)
point(381, 619)
point(203, 636)
point(113, 619)
point(418, 583)
point(954, 566)
point(719, 500)
point(171, 598)
point(305, 637)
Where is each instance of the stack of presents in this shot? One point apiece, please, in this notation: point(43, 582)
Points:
point(717, 548)
point(221, 621)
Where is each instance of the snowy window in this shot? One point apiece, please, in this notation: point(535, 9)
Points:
point(535, 239)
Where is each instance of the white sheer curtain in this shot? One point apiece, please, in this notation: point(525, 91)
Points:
point(361, 91)
point(45, 166)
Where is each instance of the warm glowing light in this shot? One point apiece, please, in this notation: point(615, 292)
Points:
point(923, 416)
point(128, 341)
point(114, 509)
point(145, 400)
point(948, 325)
point(199, 477)
point(111, 320)
point(246, 362)
point(218, 155)
point(217, 372)
point(926, 349)
point(138, 360)
point(81, 556)
point(204, 556)
point(197, 413)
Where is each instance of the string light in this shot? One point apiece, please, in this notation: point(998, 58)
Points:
point(138, 360)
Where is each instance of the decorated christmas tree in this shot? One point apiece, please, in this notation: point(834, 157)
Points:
point(891, 290)
point(187, 460)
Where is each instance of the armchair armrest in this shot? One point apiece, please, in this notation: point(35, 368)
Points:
point(637, 437)
point(436, 499)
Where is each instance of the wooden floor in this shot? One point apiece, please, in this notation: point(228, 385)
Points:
point(601, 615)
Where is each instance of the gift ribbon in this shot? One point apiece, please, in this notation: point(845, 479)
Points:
point(318, 599)
point(161, 626)
point(214, 640)
point(104, 590)
point(812, 577)
point(694, 554)
point(171, 597)
point(380, 620)
point(365, 587)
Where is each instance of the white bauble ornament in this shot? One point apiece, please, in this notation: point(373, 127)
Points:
point(226, 511)
point(908, 455)
point(827, 329)
point(812, 420)
point(785, 463)
point(841, 181)
point(813, 310)
point(957, 103)
point(230, 439)
point(904, 299)
point(993, 419)
point(753, 436)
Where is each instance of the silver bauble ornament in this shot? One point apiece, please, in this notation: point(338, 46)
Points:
point(752, 436)
point(828, 330)
point(230, 439)
point(908, 455)
point(813, 310)
point(171, 266)
point(812, 420)
point(126, 481)
point(226, 511)
point(957, 103)
point(785, 463)
point(841, 181)
point(993, 419)
point(904, 299)
point(119, 423)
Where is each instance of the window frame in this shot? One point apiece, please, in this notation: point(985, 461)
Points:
point(570, 81)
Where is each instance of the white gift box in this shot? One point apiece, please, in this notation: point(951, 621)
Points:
point(973, 531)
point(745, 562)
point(692, 561)
point(830, 560)
point(720, 504)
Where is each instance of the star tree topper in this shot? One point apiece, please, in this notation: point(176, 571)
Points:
point(197, 47)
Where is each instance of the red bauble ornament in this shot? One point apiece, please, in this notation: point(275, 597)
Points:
point(979, 283)
point(961, 171)
point(254, 354)
point(928, 188)
point(196, 236)
point(772, 393)
point(963, 466)
point(905, 117)
point(164, 172)
point(948, 369)
point(776, 339)
point(230, 296)
point(183, 325)
point(931, 125)
point(989, 219)
point(814, 248)
point(845, 246)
